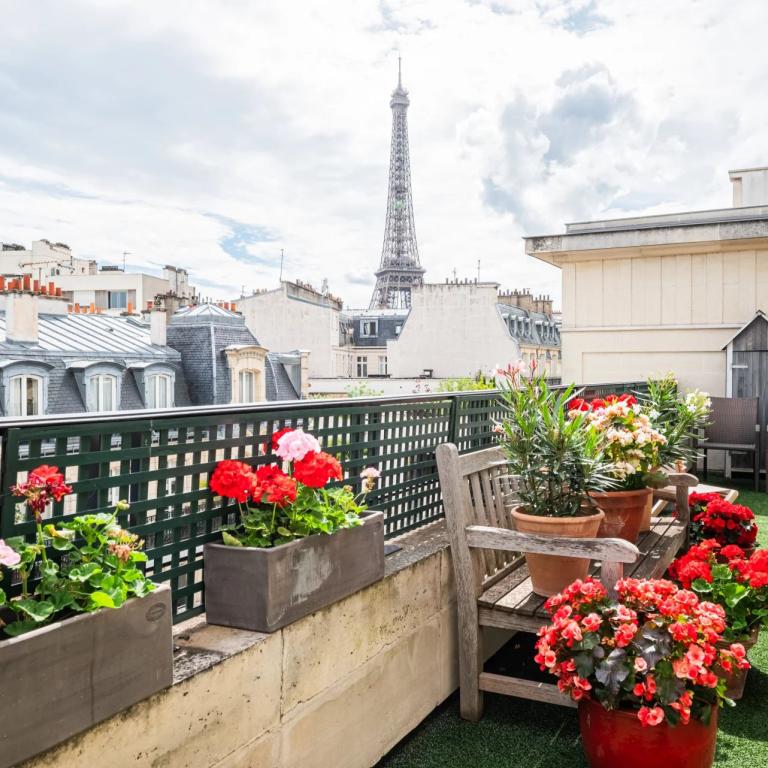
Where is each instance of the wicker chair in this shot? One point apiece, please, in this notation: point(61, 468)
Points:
point(734, 429)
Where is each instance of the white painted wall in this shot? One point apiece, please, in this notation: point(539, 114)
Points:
point(629, 316)
point(85, 289)
point(281, 323)
point(44, 260)
point(455, 329)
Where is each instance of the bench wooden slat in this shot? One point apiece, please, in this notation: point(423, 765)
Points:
point(527, 689)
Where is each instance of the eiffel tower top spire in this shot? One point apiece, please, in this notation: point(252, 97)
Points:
point(400, 268)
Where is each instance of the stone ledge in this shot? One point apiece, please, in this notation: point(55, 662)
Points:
point(198, 646)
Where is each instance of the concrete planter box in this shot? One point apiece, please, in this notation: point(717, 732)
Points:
point(63, 678)
point(265, 589)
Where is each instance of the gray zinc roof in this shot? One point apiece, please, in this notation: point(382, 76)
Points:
point(85, 335)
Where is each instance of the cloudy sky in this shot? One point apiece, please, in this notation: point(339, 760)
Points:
point(212, 133)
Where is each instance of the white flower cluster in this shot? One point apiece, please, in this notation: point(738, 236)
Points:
point(698, 403)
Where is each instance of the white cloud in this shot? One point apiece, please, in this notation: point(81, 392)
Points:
point(213, 134)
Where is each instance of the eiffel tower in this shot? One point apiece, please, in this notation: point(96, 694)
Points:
point(399, 269)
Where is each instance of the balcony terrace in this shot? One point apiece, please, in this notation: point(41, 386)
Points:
point(374, 672)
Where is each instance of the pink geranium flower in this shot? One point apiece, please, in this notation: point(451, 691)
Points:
point(8, 556)
point(295, 445)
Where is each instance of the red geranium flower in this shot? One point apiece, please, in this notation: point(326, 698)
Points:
point(277, 435)
point(232, 479)
point(316, 469)
point(280, 490)
point(44, 484)
point(578, 404)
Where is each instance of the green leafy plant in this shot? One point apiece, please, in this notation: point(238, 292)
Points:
point(468, 383)
point(99, 567)
point(555, 455)
point(363, 390)
point(678, 419)
point(280, 504)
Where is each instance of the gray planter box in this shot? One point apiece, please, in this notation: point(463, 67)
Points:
point(63, 678)
point(265, 589)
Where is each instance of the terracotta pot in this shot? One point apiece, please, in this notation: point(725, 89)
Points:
point(623, 513)
point(736, 680)
point(617, 739)
point(645, 523)
point(550, 574)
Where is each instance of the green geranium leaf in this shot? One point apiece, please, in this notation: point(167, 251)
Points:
point(284, 532)
point(37, 610)
point(61, 544)
point(230, 540)
point(101, 599)
point(61, 600)
point(3, 598)
point(84, 572)
point(701, 585)
point(16, 628)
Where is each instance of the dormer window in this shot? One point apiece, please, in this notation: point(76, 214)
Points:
point(25, 395)
point(159, 390)
point(369, 328)
point(101, 391)
point(247, 386)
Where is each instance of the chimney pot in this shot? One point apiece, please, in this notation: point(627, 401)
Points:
point(21, 317)
point(43, 290)
point(158, 326)
point(77, 308)
point(58, 291)
point(130, 307)
point(92, 308)
point(51, 289)
point(27, 283)
point(2, 283)
point(36, 286)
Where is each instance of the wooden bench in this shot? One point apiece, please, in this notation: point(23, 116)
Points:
point(492, 583)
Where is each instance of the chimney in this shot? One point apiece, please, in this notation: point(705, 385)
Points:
point(158, 325)
point(21, 317)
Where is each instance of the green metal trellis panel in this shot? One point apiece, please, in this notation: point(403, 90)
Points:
point(160, 463)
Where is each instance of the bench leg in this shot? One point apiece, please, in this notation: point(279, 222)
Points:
point(470, 667)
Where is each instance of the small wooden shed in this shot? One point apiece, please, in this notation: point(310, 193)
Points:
point(747, 363)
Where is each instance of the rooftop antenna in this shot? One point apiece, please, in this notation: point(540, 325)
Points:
point(399, 71)
point(125, 253)
point(478, 270)
point(454, 274)
point(282, 256)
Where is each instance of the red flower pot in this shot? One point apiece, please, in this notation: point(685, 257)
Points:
point(616, 739)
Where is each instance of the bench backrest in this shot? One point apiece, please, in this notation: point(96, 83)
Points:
point(478, 490)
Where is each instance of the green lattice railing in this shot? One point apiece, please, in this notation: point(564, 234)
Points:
point(160, 462)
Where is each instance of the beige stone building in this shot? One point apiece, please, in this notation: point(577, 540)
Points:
point(648, 295)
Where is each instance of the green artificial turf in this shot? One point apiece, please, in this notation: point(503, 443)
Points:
point(525, 734)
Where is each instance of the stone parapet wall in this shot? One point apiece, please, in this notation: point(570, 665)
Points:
point(337, 689)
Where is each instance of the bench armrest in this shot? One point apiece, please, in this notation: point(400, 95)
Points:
point(609, 550)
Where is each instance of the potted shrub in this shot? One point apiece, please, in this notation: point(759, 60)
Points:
point(712, 517)
point(557, 461)
point(67, 660)
point(642, 668)
point(631, 445)
point(298, 546)
point(680, 420)
point(739, 585)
